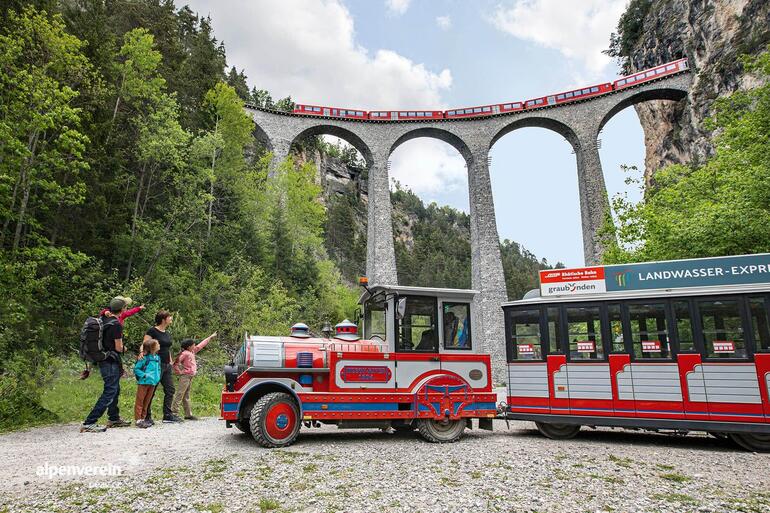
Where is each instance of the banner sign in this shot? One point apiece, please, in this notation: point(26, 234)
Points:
point(650, 346)
point(699, 272)
point(724, 346)
point(586, 346)
point(525, 348)
point(365, 374)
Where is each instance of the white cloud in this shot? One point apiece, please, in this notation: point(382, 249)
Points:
point(397, 6)
point(579, 29)
point(308, 49)
point(444, 22)
point(429, 167)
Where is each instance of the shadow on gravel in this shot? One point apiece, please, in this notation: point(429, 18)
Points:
point(641, 439)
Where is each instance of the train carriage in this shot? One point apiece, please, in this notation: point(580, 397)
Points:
point(680, 345)
point(663, 70)
point(466, 112)
point(332, 112)
point(417, 368)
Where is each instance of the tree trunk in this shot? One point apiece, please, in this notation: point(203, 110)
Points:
point(32, 146)
point(7, 221)
point(134, 221)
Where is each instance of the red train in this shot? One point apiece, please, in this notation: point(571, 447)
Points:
point(632, 80)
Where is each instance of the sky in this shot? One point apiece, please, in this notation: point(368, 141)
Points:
point(432, 54)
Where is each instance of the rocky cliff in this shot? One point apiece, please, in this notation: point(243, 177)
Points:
point(712, 34)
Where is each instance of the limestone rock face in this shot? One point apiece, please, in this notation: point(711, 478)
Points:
point(712, 34)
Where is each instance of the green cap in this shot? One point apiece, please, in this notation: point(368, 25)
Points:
point(117, 304)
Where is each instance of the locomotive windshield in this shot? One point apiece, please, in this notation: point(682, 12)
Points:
point(375, 324)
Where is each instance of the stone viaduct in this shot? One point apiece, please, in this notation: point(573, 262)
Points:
point(579, 123)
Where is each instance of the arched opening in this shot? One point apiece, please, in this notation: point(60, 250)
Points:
point(624, 144)
point(342, 159)
point(533, 170)
point(429, 195)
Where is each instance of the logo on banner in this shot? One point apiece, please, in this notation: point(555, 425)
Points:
point(724, 346)
point(622, 278)
point(586, 346)
point(567, 282)
point(650, 346)
point(365, 374)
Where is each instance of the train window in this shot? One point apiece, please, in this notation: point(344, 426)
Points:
point(525, 334)
point(722, 328)
point(759, 324)
point(375, 319)
point(568, 95)
point(616, 329)
point(476, 110)
point(584, 332)
point(683, 321)
point(554, 333)
point(412, 114)
point(450, 113)
point(631, 79)
point(487, 109)
point(457, 326)
point(671, 67)
point(559, 96)
point(621, 82)
point(594, 89)
point(359, 113)
point(650, 73)
point(417, 328)
point(649, 330)
point(507, 106)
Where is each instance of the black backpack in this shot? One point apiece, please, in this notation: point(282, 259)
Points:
point(91, 336)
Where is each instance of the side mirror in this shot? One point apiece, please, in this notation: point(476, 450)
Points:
point(401, 308)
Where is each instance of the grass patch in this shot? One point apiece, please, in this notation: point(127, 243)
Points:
point(310, 468)
point(214, 468)
point(680, 498)
point(69, 399)
point(621, 462)
point(476, 474)
point(675, 477)
point(660, 466)
point(268, 504)
point(607, 479)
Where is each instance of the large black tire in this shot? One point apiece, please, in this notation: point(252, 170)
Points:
point(440, 431)
point(755, 442)
point(558, 431)
point(275, 420)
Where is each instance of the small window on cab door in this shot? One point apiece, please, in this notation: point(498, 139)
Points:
point(457, 326)
point(525, 339)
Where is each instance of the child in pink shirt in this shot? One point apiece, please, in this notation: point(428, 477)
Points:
point(186, 368)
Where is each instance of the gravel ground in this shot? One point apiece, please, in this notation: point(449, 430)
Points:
point(201, 466)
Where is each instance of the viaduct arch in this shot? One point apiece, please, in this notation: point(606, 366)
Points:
point(579, 123)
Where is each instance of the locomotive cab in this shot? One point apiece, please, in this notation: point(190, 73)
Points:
point(419, 319)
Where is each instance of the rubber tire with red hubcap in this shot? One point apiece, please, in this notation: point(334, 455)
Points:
point(441, 431)
point(755, 442)
point(558, 431)
point(275, 420)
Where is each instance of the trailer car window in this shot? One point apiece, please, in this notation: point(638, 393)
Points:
point(722, 328)
point(525, 337)
point(616, 328)
point(759, 324)
point(584, 332)
point(649, 330)
point(554, 331)
point(457, 326)
point(684, 326)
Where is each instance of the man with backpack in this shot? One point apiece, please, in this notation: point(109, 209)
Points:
point(101, 342)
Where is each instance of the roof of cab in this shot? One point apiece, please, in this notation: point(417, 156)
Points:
point(461, 294)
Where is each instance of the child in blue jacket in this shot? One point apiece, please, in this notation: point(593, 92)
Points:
point(147, 372)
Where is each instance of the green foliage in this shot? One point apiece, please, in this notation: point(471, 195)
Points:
point(124, 170)
point(629, 30)
point(719, 208)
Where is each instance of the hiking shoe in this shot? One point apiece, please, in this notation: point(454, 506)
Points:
point(190, 417)
point(117, 423)
point(143, 424)
point(172, 419)
point(149, 422)
point(92, 428)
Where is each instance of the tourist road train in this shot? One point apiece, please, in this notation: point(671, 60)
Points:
point(673, 346)
point(575, 95)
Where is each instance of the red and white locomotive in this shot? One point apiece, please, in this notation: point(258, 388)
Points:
point(415, 369)
point(575, 95)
